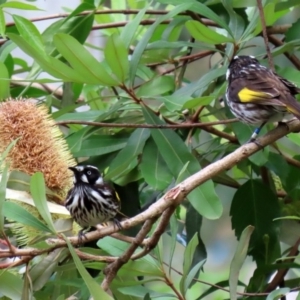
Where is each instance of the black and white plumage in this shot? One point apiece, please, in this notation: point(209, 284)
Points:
point(91, 201)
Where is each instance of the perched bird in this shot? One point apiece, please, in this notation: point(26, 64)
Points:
point(91, 201)
point(256, 94)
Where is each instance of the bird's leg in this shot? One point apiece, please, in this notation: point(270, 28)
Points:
point(81, 236)
point(255, 134)
point(117, 224)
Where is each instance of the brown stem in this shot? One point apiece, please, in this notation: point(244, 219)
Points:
point(265, 34)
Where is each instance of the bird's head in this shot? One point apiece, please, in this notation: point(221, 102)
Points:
point(87, 174)
point(241, 63)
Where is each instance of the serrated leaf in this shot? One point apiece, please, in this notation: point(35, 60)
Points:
point(205, 34)
point(38, 192)
point(176, 155)
point(116, 55)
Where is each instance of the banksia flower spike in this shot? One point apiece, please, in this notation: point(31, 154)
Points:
point(40, 148)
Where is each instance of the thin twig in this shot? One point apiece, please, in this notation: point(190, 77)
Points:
point(278, 278)
point(293, 58)
point(265, 34)
point(157, 126)
point(111, 270)
point(160, 229)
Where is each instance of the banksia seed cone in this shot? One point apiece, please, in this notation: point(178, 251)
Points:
point(40, 147)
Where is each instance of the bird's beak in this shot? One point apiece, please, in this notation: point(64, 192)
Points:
point(73, 169)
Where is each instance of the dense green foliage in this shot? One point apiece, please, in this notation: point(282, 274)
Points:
point(158, 62)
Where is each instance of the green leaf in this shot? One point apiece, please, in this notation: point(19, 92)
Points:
point(236, 24)
point(10, 285)
point(116, 55)
point(19, 5)
point(50, 64)
point(2, 24)
point(205, 34)
point(100, 145)
point(82, 60)
point(3, 184)
point(156, 86)
point(202, 10)
point(38, 193)
point(94, 288)
point(187, 262)
point(141, 46)
point(176, 156)
point(29, 32)
point(126, 159)
point(4, 82)
point(238, 260)
point(278, 293)
point(262, 207)
point(153, 167)
point(146, 265)
point(131, 27)
point(17, 213)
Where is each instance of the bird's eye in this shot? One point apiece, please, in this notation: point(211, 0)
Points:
point(89, 172)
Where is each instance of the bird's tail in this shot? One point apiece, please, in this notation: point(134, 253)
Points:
point(293, 106)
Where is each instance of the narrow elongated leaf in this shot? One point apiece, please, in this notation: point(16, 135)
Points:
point(4, 82)
point(202, 10)
point(49, 64)
point(153, 167)
point(116, 55)
point(156, 86)
point(38, 192)
point(131, 27)
point(17, 213)
point(10, 285)
point(3, 183)
point(238, 260)
point(126, 159)
point(187, 262)
point(278, 294)
point(2, 24)
point(94, 288)
point(141, 46)
point(29, 32)
point(205, 34)
point(176, 156)
point(19, 5)
point(82, 60)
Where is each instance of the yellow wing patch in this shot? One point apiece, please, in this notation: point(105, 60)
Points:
point(247, 96)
